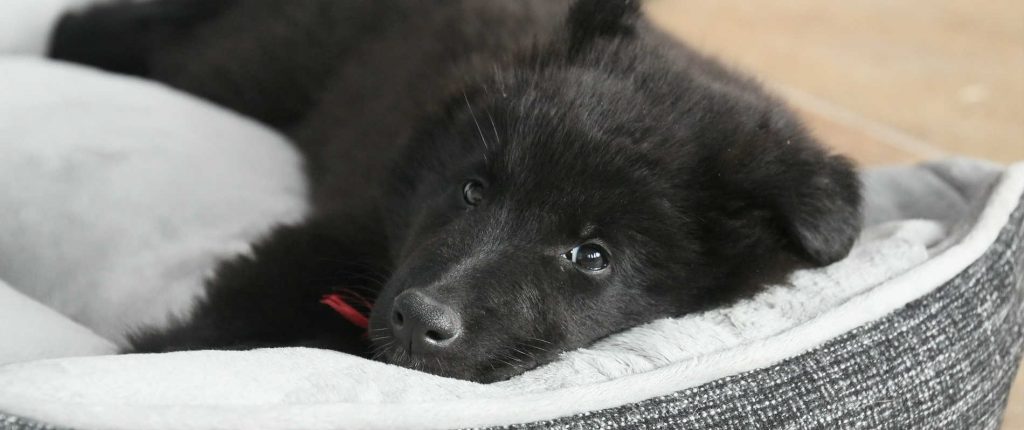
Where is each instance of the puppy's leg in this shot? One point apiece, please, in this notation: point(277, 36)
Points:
point(272, 298)
point(122, 37)
point(267, 59)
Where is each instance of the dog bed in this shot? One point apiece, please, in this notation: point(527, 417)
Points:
point(120, 195)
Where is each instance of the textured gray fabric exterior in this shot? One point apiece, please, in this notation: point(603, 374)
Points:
point(945, 361)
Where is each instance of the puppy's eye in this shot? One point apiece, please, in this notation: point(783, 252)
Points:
point(473, 193)
point(589, 256)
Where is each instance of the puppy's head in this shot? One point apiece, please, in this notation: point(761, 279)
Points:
point(562, 201)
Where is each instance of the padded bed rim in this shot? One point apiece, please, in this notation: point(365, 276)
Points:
point(635, 389)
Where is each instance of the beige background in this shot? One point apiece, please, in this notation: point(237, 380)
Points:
point(882, 81)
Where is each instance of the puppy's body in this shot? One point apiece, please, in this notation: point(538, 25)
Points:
point(509, 179)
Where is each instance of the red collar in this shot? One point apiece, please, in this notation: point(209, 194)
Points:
point(340, 302)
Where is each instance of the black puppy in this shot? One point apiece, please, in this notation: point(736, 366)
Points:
point(506, 179)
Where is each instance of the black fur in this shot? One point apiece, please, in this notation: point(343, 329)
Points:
point(582, 122)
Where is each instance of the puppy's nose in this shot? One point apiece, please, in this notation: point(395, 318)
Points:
point(423, 323)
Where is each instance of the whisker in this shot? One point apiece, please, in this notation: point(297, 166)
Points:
point(525, 355)
point(504, 362)
point(535, 347)
point(501, 84)
point(381, 337)
point(479, 129)
point(381, 351)
point(494, 127)
point(389, 342)
point(511, 357)
point(440, 366)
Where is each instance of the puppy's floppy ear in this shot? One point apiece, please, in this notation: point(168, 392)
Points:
point(814, 196)
point(590, 20)
point(821, 208)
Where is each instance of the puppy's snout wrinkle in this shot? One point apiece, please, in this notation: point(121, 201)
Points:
point(424, 324)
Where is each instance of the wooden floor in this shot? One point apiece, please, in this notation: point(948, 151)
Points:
point(882, 81)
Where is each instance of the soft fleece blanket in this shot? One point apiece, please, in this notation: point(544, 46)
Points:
point(124, 195)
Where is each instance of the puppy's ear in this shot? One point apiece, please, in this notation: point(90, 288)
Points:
point(813, 196)
point(821, 208)
point(590, 20)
